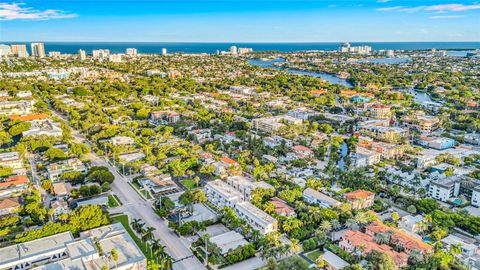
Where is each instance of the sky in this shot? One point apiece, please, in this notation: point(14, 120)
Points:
point(240, 20)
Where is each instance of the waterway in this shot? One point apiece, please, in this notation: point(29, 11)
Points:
point(331, 78)
point(343, 154)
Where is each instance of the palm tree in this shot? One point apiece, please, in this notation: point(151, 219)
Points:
point(156, 249)
point(271, 263)
point(166, 263)
point(381, 238)
point(325, 226)
point(147, 235)
point(136, 225)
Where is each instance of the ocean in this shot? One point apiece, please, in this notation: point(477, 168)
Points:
point(192, 47)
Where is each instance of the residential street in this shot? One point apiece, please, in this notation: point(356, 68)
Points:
point(136, 207)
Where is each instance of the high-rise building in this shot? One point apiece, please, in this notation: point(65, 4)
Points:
point(347, 48)
point(233, 50)
point(102, 53)
point(131, 51)
point(5, 50)
point(244, 50)
point(38, 49)
point(19, 50)
point(82, 55)
point(116, 58)
point(164, 51)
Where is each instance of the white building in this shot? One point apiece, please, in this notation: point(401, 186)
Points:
point(82, 55)
point(258, 219)
point(233, 50)
point(221, 194)
point(131, 51)
point(63, 251)
point(122, 140)
point(101, 54)
point(38, 49)
point(246, 186)
point(164, 51)
point(444, 189)
point(115, 58)
point(312, 196)
point(43, 127)
point(11, 160)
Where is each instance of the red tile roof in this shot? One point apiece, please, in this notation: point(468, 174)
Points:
point(29, 117)
point(13, 181)
point(359, 194)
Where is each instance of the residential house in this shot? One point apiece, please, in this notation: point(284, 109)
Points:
point(13, 185)
point(399, 238)
point(59, 207)
point(9, 206)
point(360, 199)
point(361, 243)
point(282, 208)
point(302, 152)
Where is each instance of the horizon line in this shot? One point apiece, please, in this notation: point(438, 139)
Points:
point(242, 42)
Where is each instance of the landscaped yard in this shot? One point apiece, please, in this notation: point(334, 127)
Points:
point(188, 183)
point(313, 255)
point(124, 220)
point(112, 201)
point(146, 194)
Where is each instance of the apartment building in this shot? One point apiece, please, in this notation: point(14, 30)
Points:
point(444, 189)
point(302, 113)
point(380, 111)
point(257, 218)
point(220, 194)
point(381, 130)
point(438, 143)
point(18, 107)
point(246, 186)
point(55, 170)
point(312, 196)
point(122, 140)
point(43, 127)
point(164, 117)
point(421, 122)
point(365, 157)
point(63, 251)
point(273, 124)
point(11, 160)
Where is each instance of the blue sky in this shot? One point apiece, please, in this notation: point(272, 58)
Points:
point(240, 21)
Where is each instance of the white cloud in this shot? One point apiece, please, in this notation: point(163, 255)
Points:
point(447, 17)
point(435, 8)
point(383, 1)
point(390, 8)
point(18, 11)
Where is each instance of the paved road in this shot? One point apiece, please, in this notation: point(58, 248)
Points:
point(136, 207)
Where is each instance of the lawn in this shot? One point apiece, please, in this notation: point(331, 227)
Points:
point(313, 255)
point(189, 183)
point(124, 220)
point(146, 194)
point(118, 200)
point(112, 201)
